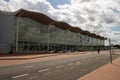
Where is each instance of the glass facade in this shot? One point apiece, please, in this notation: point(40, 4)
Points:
point(34, 36)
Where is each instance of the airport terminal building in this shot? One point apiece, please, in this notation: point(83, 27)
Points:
point(28, 31)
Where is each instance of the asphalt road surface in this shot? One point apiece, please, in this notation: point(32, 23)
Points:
point(70, 68)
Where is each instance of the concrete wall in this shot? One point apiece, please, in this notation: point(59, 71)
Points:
point(6, 31)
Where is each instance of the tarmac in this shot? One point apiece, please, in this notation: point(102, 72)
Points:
point(106, 72)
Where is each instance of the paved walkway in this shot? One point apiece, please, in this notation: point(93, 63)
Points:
point(22, 57)
point(106, 72)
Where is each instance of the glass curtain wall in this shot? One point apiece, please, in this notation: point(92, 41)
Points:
point(34, 36)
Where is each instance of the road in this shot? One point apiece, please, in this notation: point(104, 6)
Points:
point(70, 68)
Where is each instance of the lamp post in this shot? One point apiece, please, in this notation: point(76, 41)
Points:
point(17, 31)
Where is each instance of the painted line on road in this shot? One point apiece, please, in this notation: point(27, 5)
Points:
point(44, 70)
point(60, 66)
point(29, 66)
point(78, 63)
point(22, 75)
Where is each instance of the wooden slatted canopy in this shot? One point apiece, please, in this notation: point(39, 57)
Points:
point(39, 17)
point(94, 35)
point(75, 29)
point(61, 25)
point(86, 33)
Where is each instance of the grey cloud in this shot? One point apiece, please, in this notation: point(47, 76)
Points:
point(108, 19)
point(98, 29)
point(118, 2)
point(117, 33)
point(115, 10)
point(79, 18)
point(92, 11)
point(85, 0)
point(99, 26)
point(91, 18)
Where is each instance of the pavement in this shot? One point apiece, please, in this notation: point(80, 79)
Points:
point(14, 59)
point(106, 72)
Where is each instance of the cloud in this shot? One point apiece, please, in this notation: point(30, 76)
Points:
point(85, 0)
point(98, 16)
point(91, 18)
point(90, 11)
point(117, 33)
point(4, 6)
point(108, 19)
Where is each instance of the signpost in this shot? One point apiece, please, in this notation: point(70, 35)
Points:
point(110, 51)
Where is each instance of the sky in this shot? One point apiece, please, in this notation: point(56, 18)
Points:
point(54, 3)
point(97, 16)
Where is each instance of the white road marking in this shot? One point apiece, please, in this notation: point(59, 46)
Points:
point(29, 66)
point(78, 63)
point(22, 75)
point(44, 70)
point(70, 64)
point(59, 66)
